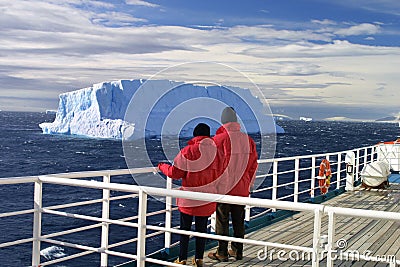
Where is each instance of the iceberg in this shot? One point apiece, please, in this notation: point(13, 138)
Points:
point(133, 109)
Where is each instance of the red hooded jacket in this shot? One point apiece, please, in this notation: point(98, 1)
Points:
point(239, 160)
point(198, 166)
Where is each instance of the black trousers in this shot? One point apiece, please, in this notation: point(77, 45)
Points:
point(200, 223)
point(222, 226)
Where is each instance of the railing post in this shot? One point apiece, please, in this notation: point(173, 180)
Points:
point(316, 238)
point(365, 157)
point(312, 186)
point(357, 167)
point(274, 182)
point(373, 152)
point(247, 212)
point(213, 220)
point(37, 223)
point(339, 165)
point(168, 215)
point(141, 236)
point(331, 236)
point(105, 226)
point(296, 180)
point(350, 169)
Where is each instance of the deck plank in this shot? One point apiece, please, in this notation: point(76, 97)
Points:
point(378, 236)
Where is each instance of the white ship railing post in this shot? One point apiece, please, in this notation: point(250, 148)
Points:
point(316, 238)
point(213, 221)
point(373, 153)
point(105, 226)
point(339, 165)
point(37, 223)
point(357, 165)
point(141, 236)
point(312, 186)
point(168, 215)
point(331, 236)
point(365, 157)
point(275, 182)
point(247, 212)
point(296, 179)
point(350, 169)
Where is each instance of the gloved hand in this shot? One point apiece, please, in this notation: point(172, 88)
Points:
point(163, 167)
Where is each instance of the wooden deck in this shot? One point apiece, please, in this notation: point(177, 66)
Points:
point(380, 237)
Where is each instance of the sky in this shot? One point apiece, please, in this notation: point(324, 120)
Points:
point(314, 58)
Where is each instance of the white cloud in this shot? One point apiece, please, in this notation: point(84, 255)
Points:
point(361, 29)
point(324, 22)
point(140, 3)
point(60, 47)
point(116, 19)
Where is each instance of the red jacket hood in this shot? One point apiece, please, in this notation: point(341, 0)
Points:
point(229, 127)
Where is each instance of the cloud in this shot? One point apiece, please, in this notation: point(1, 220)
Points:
point(51, 47)
point(140, 3)
point(361, 29)
point(324, 22)
point(337, 48)
point(382, 6)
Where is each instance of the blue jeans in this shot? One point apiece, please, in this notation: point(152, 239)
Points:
point(201, 227)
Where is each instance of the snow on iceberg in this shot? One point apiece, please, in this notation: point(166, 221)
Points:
point(141, 108)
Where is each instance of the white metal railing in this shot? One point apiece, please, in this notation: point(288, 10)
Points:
point(292, 173)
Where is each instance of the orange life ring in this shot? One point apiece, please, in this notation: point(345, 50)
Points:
point(324, 174)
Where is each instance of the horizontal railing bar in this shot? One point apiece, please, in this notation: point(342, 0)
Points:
point(147, 215)
point(120, 254)
point(263, 189)
point(88, 202)
point(282, 185)
point(312, 155)
point(90, 218)
point(121, 243)
point(89, 174)
point(83, 247)
point(69, 257)
point(123, 197)
point(360, 213)
point(19, 180)
point(266, 203)
point(16, 242)
point(15, 213)
point(71, 231)
point(260, 214)
point(285, 197)
point(304, 191)
point(74, 204)
point(263, 175)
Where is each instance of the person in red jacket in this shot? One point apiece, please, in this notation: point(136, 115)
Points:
point(237, 178)
point(197, 166)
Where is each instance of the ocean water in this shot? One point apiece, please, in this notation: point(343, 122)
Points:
point(25, 151)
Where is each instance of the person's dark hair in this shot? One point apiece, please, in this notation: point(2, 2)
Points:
point(201, 129)
point(228, 115)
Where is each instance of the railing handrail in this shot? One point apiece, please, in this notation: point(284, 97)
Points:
point(363, 156)
point(259, 202)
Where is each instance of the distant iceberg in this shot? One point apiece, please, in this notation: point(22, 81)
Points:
point(305, 119)
point(139, 109)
